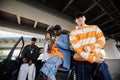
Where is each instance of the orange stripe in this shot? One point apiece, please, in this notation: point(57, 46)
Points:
point(83, 36)
point(91, 57)
point(91, 34)
point(99, 35)
point(92, 46)
point(101, 43)
point(99, 55)
point(74, 41)
point(80, 38)
point(80, 59)
point(79, 50)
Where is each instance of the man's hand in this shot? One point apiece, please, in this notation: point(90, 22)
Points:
point(30, 62)
point(87, 49)
point(24, 60)
point(99, 60)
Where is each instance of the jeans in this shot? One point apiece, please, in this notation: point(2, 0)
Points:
point(84, 70)
point(105, 71)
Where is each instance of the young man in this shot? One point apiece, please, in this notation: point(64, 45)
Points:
point(87, 42)
point(60, 54)
point(29, 56)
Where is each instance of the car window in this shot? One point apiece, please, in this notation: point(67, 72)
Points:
point(12, 51)
point(3, 54)
point(17, 51)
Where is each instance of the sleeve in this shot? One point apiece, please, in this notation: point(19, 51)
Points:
point(100, 41)
point(24, 51)
point(36, 55)
point(74, 41)
point(63, 42)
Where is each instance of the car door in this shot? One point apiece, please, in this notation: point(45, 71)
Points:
point(9, 67)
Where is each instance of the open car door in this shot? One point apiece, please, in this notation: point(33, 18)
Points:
point(9, 67)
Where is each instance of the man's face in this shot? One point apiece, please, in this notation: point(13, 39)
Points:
point(80, 20)
point(57, 32)
point(33, 42)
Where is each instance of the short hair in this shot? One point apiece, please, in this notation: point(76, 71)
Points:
point(80, 14)
point(33, 39)
point(57, 27)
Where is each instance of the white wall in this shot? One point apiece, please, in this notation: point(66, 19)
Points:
point(111, 50)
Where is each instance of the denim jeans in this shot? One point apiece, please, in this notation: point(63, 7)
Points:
point(84, 70)
point(105, 71)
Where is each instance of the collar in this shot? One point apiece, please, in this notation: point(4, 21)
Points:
point(79, 27)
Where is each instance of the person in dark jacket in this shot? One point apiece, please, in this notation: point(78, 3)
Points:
point(29, 56)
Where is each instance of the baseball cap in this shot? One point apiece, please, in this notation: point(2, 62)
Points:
point(33, 39)
point(80, 14)
point(57, 27)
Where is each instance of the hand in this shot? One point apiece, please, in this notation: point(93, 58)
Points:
point(50, 45)
point(87, 49)
point(99, 60)
point(53, 41)
point(30, 62)
point(24, 60)
point(46, 56)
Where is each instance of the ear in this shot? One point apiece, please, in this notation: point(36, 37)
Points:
point(84, 18)
point(75, 20)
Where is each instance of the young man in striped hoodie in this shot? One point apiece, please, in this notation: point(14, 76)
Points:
point(87, 42)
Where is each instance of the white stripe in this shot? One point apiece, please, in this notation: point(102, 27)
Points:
point(98, 30)
point(77, 55)
point(103, 52)
point(102, 39)
point(72, 38)
point(84, 55)
point(97, 45)
point(85, 30)
point(84, 42)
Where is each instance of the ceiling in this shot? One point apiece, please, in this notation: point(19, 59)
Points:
point(104, 13)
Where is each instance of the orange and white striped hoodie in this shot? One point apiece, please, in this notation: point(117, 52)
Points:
point(91, 38)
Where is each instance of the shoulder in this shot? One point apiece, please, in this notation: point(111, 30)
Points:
point(72, 32)
point(92, 27)
point(64, 35)
point(36, 46)
point(27, 45)
point(95, 26)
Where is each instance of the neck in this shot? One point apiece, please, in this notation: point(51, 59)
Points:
point(81, 25)
point(32, 44)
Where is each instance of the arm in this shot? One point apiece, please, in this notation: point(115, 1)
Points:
point(24, 51)
point(100, 41)
point(35, 53)
point(63, 42)
point(23, 55)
